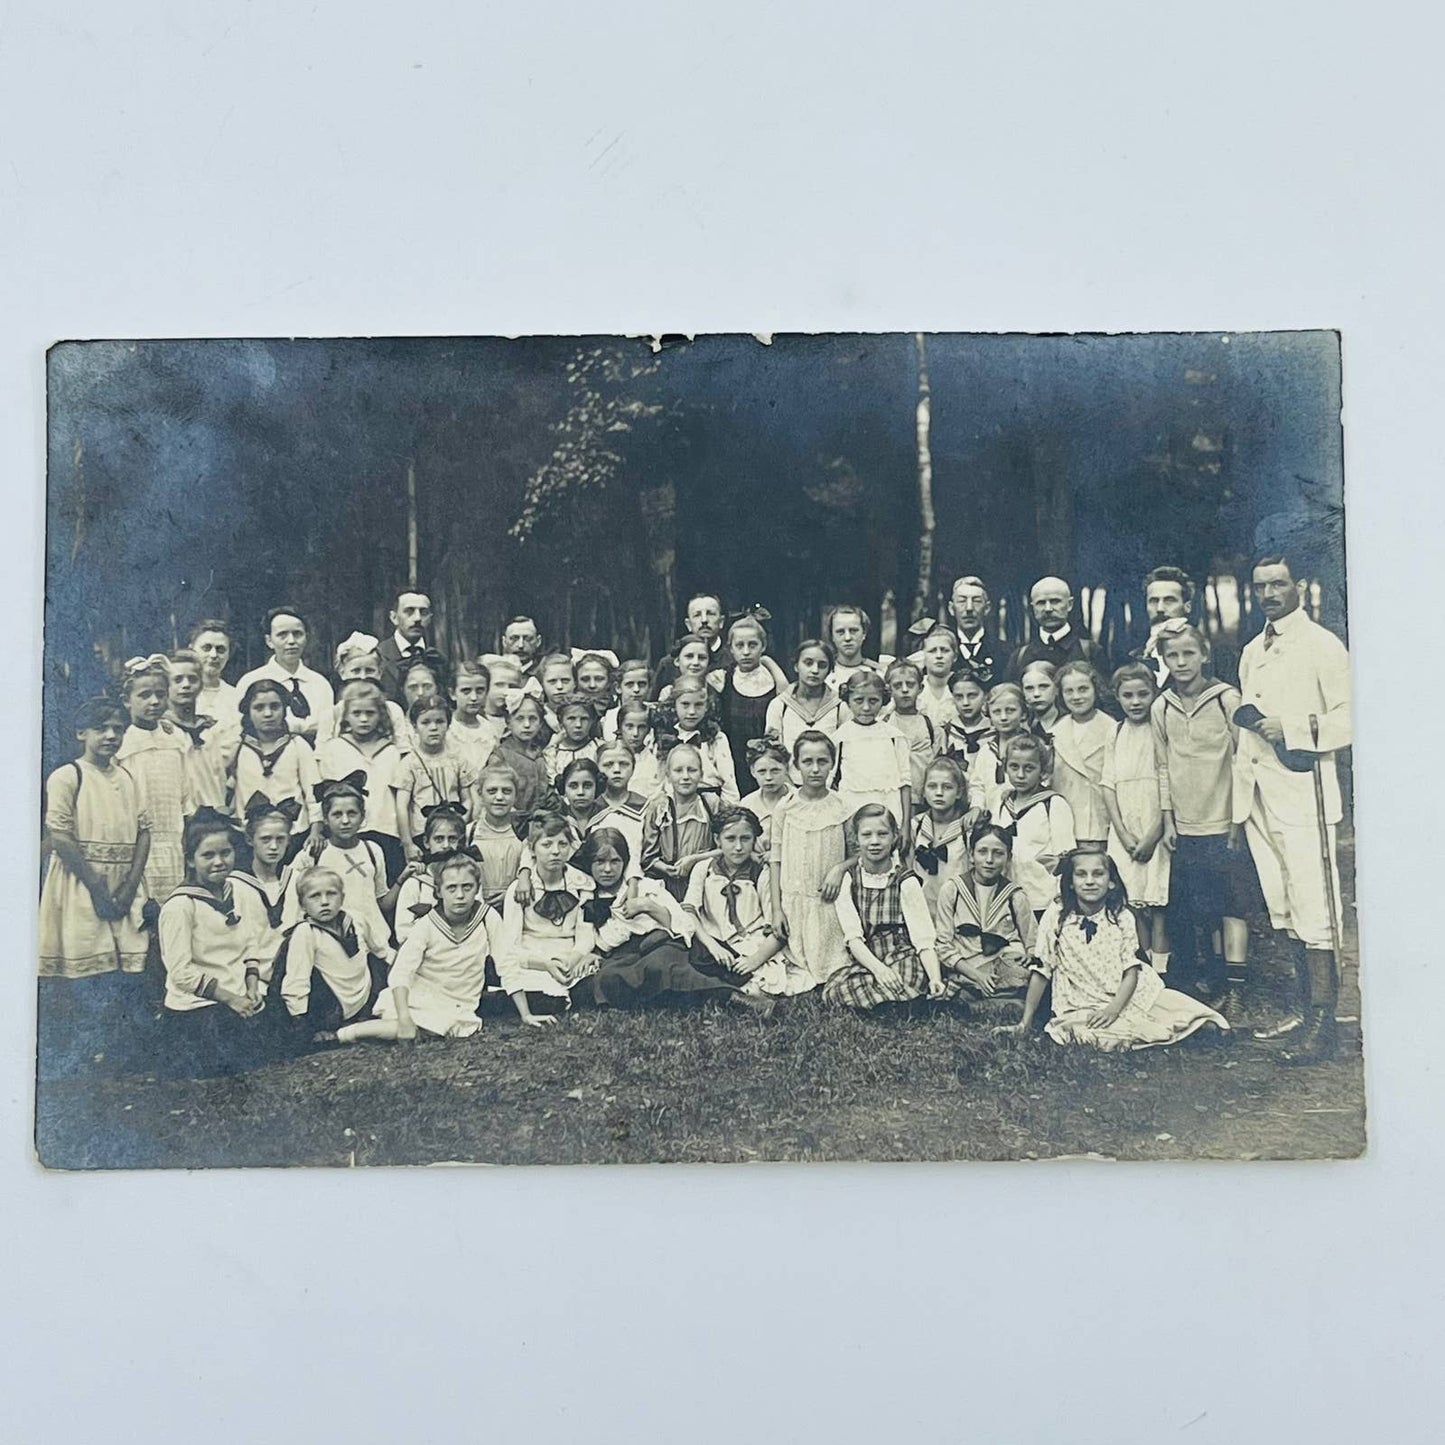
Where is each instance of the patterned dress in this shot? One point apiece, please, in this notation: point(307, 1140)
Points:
point(1086, 960)
point(809, 841)
point(887, 913)
point(156, 759)
point(432, 778)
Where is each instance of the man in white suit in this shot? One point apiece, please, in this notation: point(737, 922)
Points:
point(1295, 683)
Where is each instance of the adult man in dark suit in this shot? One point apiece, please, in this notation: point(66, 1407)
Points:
point(970, 607)
point(410, 618)
point(1169, 594)
point(1055, 638)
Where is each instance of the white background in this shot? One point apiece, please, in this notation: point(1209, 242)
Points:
point(201, 168)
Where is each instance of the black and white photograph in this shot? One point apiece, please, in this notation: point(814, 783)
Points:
point(913, 746)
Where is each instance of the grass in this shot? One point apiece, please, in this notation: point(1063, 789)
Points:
point(716, 1084)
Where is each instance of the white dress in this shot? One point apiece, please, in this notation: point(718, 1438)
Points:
point(874, 766)
point(527, 941)
point(1131, 773)
point(1043, 833)
point(443, 968)
point(808, 841)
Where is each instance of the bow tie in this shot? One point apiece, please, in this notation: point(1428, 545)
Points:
point(929, 858)
point(991, 942)
point(1088, 927)
point(596, 911)
point(555, 904)
point(195, 731)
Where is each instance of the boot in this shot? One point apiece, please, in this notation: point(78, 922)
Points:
point(1289, 1028)
point(1319, 1041)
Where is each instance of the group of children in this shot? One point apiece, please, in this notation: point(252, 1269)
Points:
point(879, 831)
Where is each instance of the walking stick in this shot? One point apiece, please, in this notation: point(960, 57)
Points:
point(1326, 862)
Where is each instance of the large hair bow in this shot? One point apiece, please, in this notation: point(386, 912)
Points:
point(446, 855)
point(756, 611)
point(260, 806)
point(769, 742)
point(208, 817)
point(351, 783)
point(156, 662)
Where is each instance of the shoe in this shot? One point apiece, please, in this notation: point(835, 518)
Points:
point(1319, 1043)
point(1286, 1030)
point(762, 1005)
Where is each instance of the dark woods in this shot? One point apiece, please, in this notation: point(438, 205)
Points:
point(594, 483)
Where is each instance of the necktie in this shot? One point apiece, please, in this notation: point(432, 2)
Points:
point(299, 706)
point(414, 650)
point(1270, 635)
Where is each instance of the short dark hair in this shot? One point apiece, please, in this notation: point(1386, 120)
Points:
point(1176, 575)
point(1275, 559)
point(409, 592)
point(286, 611)
point(703, 596)
point(209, 624)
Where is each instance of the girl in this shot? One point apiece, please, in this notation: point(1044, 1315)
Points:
point(473, 733)
point(274, 761)
point(940, 661)
point(677, 824)
point(546, 946)
point(268, 836)
point(748, 689)
point(92, 939)
point(494, 834)
point(444, 833)
point(1130, 783)
point(434, 772)
point(211, 743)
point(1041, 821)
point(579, 785)
point(424, 676)
point(1195, 738)
point(643, 935)
point(920, 732)
point(521, 750)
point(689, 720)
point(1081, 739)
point(966, 735)
point(808, 844)
point(986, 926)
point(332, 968)
point(692, 656)
point(557, 680)
point(594, 674)
point(873, 759)
point(810, 704)
point(212, 942)
point(886, 925)
point(1041, 697)
point(364, 743)
point(358, 862)
point(634, 682)
point(635, 731)
point(507, 683)
point(436, 983)
point(768, 763)
point(846, 629)
point(986, 774)
point(730, 898)
point(154, 754)
point(576, 725)
point(622, 808)
point(939, 848)
point(358, 660)
point(1103, 994)
point(210, 640)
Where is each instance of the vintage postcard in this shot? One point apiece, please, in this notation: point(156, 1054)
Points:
point(715, 748)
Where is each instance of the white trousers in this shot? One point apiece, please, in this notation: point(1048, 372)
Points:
point(1291, 873)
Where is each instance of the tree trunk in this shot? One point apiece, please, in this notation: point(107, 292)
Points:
point(923, 416)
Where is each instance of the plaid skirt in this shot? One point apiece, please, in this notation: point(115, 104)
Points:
point(855, 987)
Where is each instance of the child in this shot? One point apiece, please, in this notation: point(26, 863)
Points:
point(1130, 782)
point(748, 689)
point(810, 704)
point(434, 773)
point(634, 682)
point(212, 742)
point(919, 731)
point(358, 862)
point(986, 925)
point(887, 928)
point(635, 731)
point(210, 640)
point(546, 946)
point(494, 834)
point(1103, 994)
point(808, 843)
point(558, 681)
point(939, 847)
point(342, 953)
point(521, 750)
point(986, 775)
point(154, 754)
point(212, 941)
point(1195, 738)
point(846, 628)
point(689, 720)
point(1081, 740)
point(677, 824)
point(92, 939)
point(424, 676)
point(579, 785)
point(268, 836)
point(275, 762)
point(359, 660)
point(964, 737)
point(692, 657)
point(1041, 697)
point(507, 683)
point(940, 661)
point(444, 833)
point(873, 758)
point(363, 743)
point(643, 935)
point(622, 808)
point(576, 725)
point(436, 983)
point(1042, 822)
point(769, 764)
point(594, 673)
point(474, 733)
point(730, 897)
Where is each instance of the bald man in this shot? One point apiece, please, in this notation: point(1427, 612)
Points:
point(1055, 638)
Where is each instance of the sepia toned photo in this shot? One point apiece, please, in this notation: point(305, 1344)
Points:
point(696, 749)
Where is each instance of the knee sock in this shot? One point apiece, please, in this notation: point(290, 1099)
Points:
point(1159, 957)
